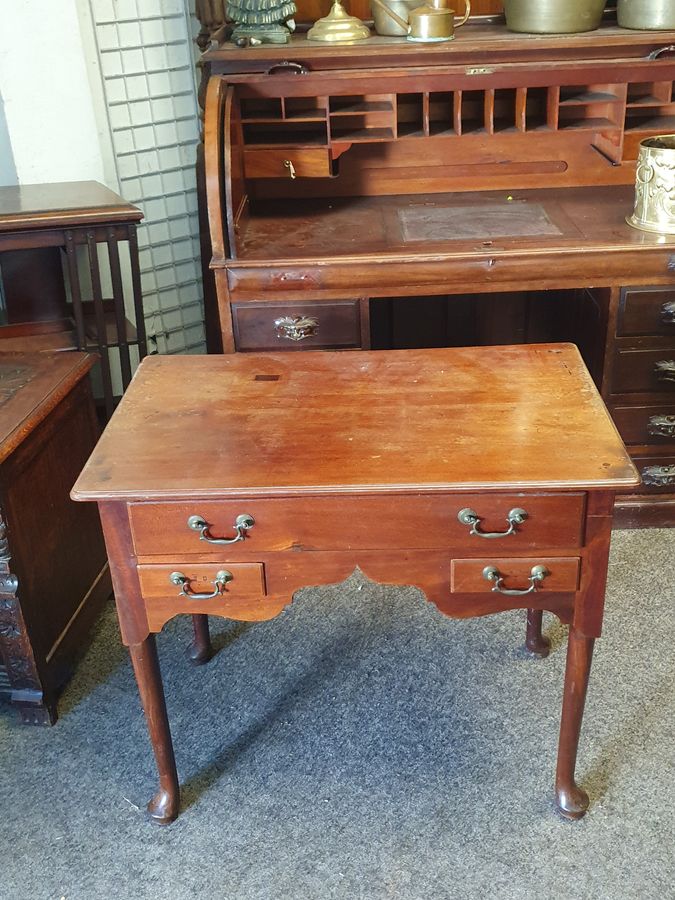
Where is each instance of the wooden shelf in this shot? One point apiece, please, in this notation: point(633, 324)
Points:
point(363, 135)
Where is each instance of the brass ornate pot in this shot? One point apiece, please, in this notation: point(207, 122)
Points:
point(554, 16)
point(646, 15)
point(655, 186)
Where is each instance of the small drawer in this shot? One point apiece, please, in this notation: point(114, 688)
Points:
point(644, 370)
point(165, 593)
point(410, 521)
point(287, 162)
point(297, 326)
point(469, 576)
point(647, 311)
point(645, 424)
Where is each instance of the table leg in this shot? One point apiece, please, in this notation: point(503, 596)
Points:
point(534, 640)
point(200, 650)
point(572, 800)
point(163, 808)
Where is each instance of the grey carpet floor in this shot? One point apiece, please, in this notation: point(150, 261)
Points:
point(360, 746)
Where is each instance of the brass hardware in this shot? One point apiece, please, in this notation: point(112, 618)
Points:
point(553, 16)
point(291, 168)
point(286, 67)
point(537, 575)
point(338, 27)
point(668, 313)
point(431, 22)
point(241, 526)
point(665, 370)
point(661, 426)
point(646, 15)
point(219, 582)
point(656, 53)
point(296, 328)
point(479, 70)
point(658, 476)
point(469, 517)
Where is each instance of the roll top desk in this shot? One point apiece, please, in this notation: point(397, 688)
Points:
point(391, 195)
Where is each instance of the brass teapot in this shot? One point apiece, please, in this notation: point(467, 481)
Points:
point(431, 22)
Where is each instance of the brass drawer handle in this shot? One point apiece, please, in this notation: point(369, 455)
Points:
point(286, 67)
point(658, 476)
point(219, 582)
point(665, 370)
point(669, 48)
point(668, 313)
point(537, 575)
point(661, 426)
point(469, 517)
point(241, 526)
point(296, 328)
point(291, 169)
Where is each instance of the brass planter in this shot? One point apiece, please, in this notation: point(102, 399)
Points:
point(646, 15)
point(655, 186)
point(553, 16)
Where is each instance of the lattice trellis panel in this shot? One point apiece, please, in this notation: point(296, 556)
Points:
point(146, 60)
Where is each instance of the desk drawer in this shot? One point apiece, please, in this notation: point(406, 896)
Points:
point(287, 162)
point(558, 575)
point(297, 326)
point(647, 311)
point(408, 521)
point(644, 370)
point(165, 596)
point(646, 424)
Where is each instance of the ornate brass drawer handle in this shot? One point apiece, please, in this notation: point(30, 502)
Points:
point(469, 517)
point(296, 328)
point(661, 426)
point(219, 582)
point(537, 575)
point(288, 164)
point(658, 476)
point(241, 525)
point(668, 313)
point(665, 370)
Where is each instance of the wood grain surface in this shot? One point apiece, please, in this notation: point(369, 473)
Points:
point(275, 424)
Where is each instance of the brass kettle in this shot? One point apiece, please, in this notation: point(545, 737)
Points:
point(428, 23)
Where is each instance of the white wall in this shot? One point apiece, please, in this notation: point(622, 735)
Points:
point(48, 108)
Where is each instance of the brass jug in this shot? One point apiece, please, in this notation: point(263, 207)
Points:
point(428, 23)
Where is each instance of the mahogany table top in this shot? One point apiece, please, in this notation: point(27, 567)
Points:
point(385, 421)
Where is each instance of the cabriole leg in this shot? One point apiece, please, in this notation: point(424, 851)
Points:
point(534, 640)
point(572, 801)
point(200, 650)
point(163, 808)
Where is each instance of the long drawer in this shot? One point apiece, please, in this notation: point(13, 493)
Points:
point(410, 521)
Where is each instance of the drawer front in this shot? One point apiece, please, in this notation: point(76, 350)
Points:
point(558, 575)
point(647, 311)
point(170, 589)
point(646, 424)
point(409, 521)
point(644, 370)
point(286, 162)
point(296, 326)
point(657, 473)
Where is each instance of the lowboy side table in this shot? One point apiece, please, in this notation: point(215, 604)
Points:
point(485, 477)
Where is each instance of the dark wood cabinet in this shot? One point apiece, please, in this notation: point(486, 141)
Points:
point(53, 568)
point(467, 193)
